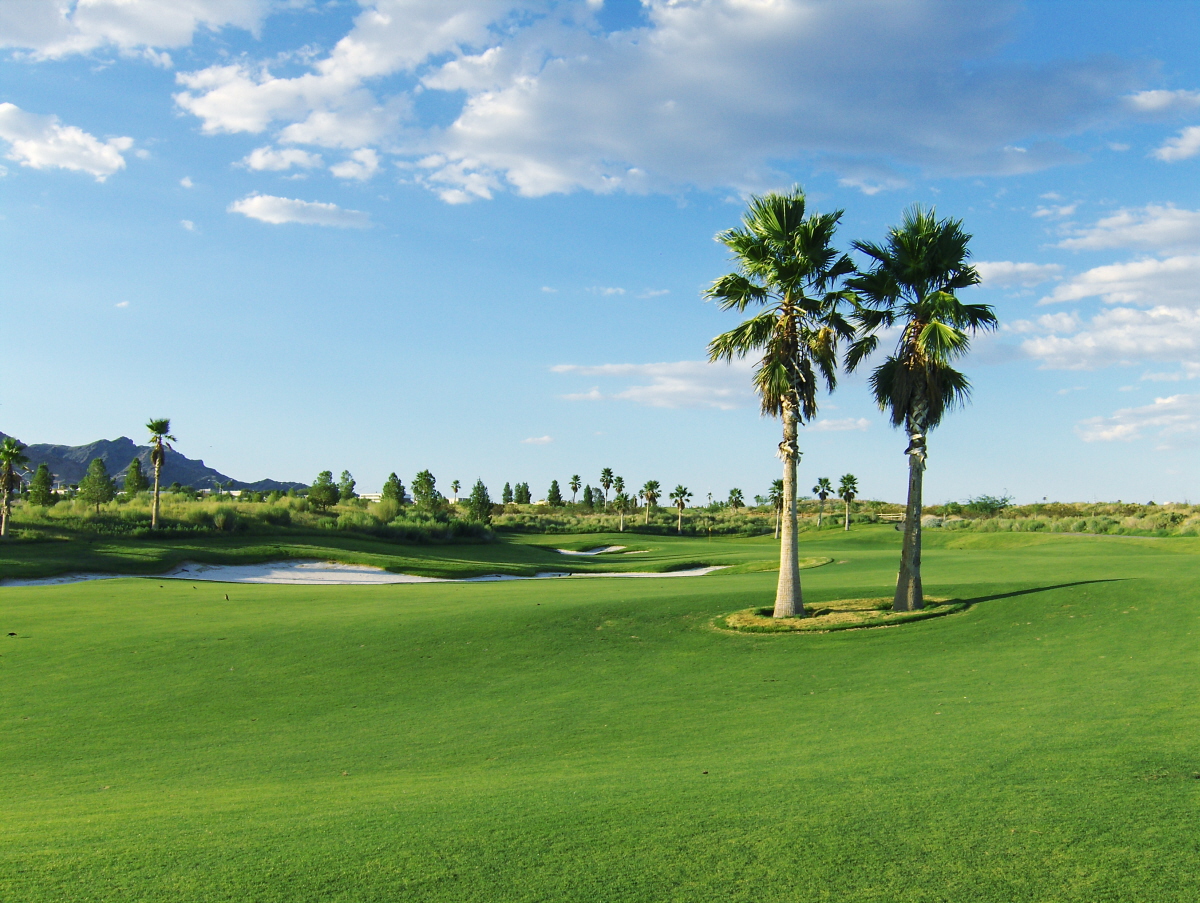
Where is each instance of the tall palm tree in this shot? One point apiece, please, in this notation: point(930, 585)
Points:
point(736, 499)
point(847, 490)
point(786, 264)
point(823, 490)
point(160, 444)
point(574, 484)
point(454, 487)
point(606, 482)
point(680, 497)
point(650, 492)
point(912, 283)
point(775, 495)
point(13, 461)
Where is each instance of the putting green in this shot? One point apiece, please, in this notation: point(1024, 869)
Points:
point(597, 740)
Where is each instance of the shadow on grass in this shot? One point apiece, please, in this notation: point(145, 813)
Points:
point(1037, 589)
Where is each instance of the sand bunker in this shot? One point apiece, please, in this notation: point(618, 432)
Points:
point(323, 573)
point(599, 551)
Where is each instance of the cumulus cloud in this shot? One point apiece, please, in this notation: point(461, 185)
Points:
point(1182, 147)
point(276, 159)
point(714, 93)
point(677, 384)
point(1155, 227)
point(1167, 417)
point(1005, 273)
point(1121, 335)
point(43, 142)
point(363, 164)
point(276, 210)
point(1149, 281)
point(52, 29)
point(1161, 101)
point(537, 440)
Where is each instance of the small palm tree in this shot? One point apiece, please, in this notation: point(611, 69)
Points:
point(680, 497)
point(13, 461)
point(786, 264)
point(454, 487)
point(650, 492)
point(847, 490)
point(823, 490)
point(911, 284)
point(775, 497)
point(575, 483)
point(160, 444)
point(621, 502)
point(606, 482)
point(736, 500)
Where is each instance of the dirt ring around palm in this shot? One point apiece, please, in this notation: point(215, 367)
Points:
point(840, 614)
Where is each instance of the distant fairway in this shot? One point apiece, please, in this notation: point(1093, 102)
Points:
point(549, 740)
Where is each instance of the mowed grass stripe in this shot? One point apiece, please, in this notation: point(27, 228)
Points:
point(547, 740)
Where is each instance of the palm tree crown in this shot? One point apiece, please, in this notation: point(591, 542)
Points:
point(912, 282)
point(160, 444)
point(680, 496)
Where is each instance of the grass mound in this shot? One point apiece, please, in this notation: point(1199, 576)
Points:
point(841, 614)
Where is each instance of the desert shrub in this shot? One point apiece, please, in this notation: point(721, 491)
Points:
point(226, 519)
point(277, 516)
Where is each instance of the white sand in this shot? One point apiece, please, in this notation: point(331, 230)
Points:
point(599, 551)
point(321, 573)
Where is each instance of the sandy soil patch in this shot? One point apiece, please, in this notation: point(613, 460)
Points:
point(599, 551)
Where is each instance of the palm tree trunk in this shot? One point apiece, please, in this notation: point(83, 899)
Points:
point(679, 527)
point(154, 508)
point(647, 512)
point(789, 602)
point(776, 523)
point(820, 512)
point(622, 520)
point(909, 593)
point(847, 515)
point(4, 515)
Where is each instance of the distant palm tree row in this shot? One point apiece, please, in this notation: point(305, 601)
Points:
point(810, 300)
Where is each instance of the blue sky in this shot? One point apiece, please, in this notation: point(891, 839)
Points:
point(472, 236)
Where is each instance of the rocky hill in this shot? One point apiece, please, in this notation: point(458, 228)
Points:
point(69, 463)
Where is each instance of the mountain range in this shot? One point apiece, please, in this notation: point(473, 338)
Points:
point(69, 463)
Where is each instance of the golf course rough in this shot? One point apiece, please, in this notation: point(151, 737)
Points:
point(597, 740)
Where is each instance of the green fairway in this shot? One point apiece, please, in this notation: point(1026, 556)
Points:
point(598, 740)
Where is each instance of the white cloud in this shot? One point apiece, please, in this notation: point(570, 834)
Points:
point(1145, 282)
point(1155, 227)
point(1056, 212)
point(1122, 335)
point(52, 29)
point(606, 290)
point(1160, 101)
point(1191, 370)
point(537, 440)
point(276, 210)
point(654, 292)
point(677, 384)
point(273, 159)
point(837, 426)
point(121, 304)
point(363, 164)
point(1171, 416)
point(714, 93)
point(42, 142)
point(549, 290)
point(1003, 273)
point(186, 182)
point(1182, 147)
point(188, 224)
